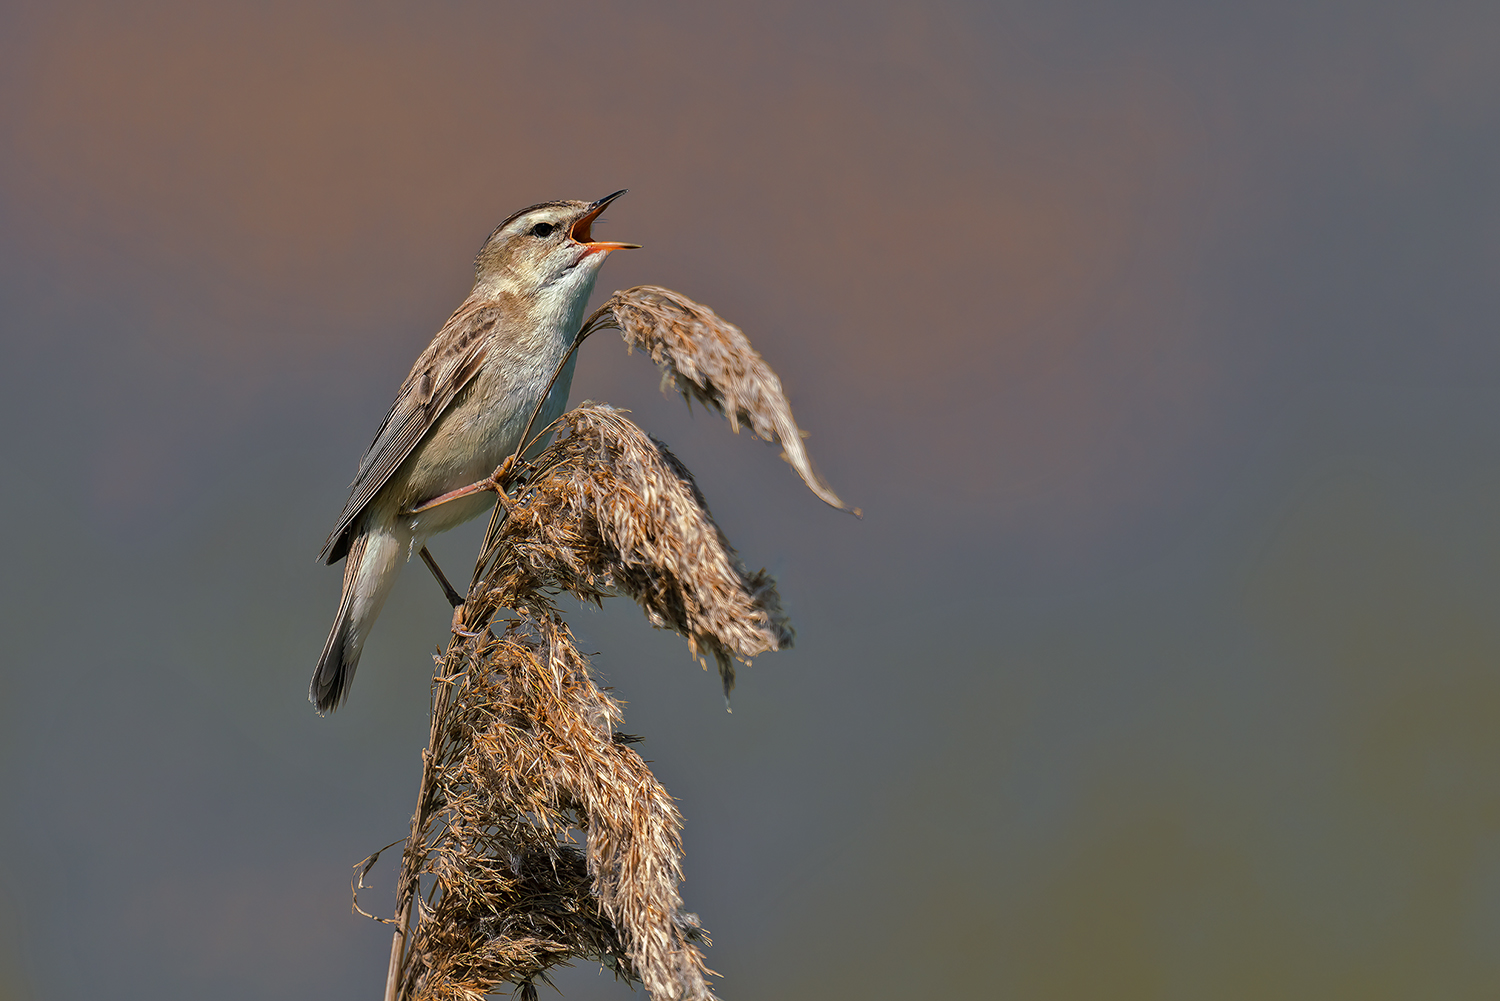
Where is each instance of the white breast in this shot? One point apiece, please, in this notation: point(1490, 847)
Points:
point(482, 427)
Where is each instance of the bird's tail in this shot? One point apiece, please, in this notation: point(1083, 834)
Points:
point(370, 570)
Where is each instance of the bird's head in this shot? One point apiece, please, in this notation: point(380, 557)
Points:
point(545, 249)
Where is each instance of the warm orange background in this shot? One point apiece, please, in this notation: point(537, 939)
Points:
point(1158, 343)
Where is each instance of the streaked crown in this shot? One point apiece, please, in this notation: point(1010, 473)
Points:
point(542, 245)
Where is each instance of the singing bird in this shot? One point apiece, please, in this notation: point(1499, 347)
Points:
point(462, 411)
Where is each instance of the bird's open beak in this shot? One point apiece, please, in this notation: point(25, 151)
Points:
point(580, 231)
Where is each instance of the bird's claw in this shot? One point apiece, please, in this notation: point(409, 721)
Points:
point(458, 624)
point(497, 483)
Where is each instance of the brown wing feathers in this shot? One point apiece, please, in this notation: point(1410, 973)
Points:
point(440, 374)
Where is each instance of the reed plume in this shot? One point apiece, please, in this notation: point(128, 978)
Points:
point(524, 748)
point(609, 509)
point(708, 359)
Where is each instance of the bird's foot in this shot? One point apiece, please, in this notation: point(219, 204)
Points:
point(460, 625)
point(497, 483)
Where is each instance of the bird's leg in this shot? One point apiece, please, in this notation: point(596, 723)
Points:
point(495, 481)
point(454, 598)
point(452, 495)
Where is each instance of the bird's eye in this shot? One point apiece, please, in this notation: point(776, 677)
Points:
point(542, 229)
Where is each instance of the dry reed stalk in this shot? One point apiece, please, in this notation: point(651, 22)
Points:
point(523, 748)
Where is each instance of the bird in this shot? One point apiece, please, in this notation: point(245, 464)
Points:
point(461, 412)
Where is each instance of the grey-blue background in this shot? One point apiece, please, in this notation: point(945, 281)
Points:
point(1158, 342)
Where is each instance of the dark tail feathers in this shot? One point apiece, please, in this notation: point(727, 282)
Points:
point(330, 682)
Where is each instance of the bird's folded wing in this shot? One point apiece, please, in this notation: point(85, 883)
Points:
point(440, 374)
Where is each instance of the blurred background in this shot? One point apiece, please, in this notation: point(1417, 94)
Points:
point(1157, 341)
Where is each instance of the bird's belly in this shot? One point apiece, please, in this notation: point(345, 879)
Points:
point(477, 432)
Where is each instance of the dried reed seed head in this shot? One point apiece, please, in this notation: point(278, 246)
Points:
point(524, 746)
point(710, 360)
point(607, 509)
point(526, 750)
